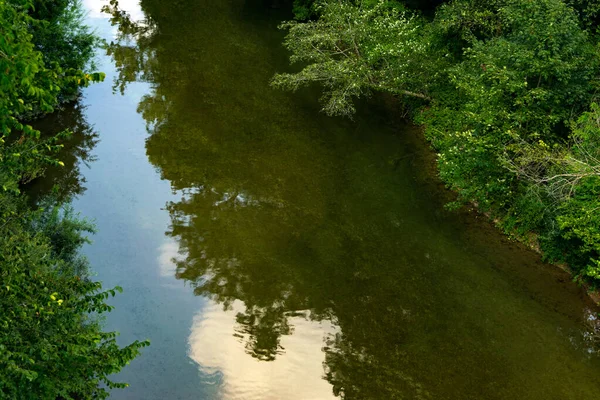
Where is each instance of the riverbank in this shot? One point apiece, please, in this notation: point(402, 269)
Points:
point(53, 345)
point(484, 225)
point(502, 141)
point(268, 250)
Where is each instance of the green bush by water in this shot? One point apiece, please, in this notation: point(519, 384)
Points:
point(51, 342)
point(505, 90)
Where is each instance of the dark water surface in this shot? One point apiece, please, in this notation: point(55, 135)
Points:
point(270, 252)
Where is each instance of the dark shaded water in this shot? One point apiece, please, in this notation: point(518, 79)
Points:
point(270, 252)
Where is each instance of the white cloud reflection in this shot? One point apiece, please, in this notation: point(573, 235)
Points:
point(131, 6)
point(295, 375)
point(168, 253)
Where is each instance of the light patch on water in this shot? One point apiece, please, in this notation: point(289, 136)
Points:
point(94, 12)
point(295, 374)
point(591, 334)
point(94, 8)
point(168, 253)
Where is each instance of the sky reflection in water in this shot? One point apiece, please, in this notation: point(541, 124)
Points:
point(283, 220)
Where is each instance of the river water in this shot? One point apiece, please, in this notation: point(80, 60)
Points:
point(271, 252)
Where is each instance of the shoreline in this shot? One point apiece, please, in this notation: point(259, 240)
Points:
point(429, 175)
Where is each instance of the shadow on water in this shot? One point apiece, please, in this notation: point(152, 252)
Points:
point(65, 182)
point(297, 216)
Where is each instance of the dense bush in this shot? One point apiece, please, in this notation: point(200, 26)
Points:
point(505, 90)
point(51, 343)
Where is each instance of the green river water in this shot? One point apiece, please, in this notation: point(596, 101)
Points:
point(271, 252)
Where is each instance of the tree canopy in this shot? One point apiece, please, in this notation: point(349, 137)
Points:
point(505, 90)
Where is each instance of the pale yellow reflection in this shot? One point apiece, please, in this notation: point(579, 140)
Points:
point(297, 374)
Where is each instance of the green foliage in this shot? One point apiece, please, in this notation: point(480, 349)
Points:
point(579, 217)
point(61, 36)
point(352, 51)
point(589, 13)
point(33, 83)
point(580, 220)
point(52, 345)
point(51, 342)
point(502, 81)
point(527, 68)
point(23, 74)
point(303, 9)
point(533, 75)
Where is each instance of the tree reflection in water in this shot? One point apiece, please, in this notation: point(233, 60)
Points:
point(66, 182)
point(295, 214)
point(263, 216)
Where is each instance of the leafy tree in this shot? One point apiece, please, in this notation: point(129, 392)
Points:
point(52, 345)
point(501, 80)
point(571, 177)
point(353, 50)
point(61, 36)
point(532, 76)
